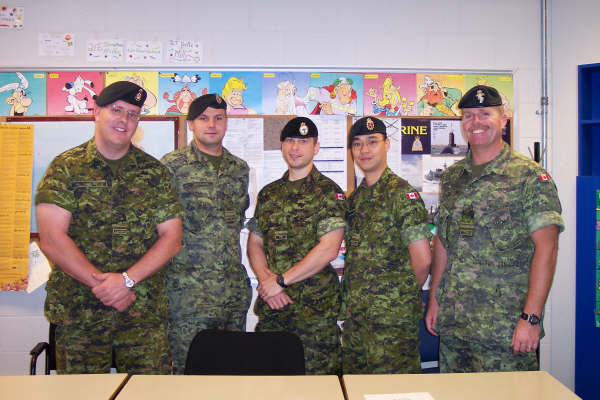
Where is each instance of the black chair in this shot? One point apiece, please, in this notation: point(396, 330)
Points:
point(50, 348)
point(217, 352)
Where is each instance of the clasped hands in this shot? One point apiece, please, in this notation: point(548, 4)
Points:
point(273, 294)
point(111, 291)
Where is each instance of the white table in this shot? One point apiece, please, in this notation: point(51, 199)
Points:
point(213, 387)
point(61, 387)
point(530, 385)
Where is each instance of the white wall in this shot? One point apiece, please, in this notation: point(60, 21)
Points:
point(446, 35)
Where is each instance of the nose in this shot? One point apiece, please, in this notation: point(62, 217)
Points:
point(211, 122)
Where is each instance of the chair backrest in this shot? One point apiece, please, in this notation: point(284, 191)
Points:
point(217, 352)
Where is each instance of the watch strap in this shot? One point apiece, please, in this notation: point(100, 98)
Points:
point(281, 281)
point(531, 318)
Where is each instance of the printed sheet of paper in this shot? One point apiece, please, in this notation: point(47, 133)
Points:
point(39, 267)
point(331, 159)
point(400, 396)
point(16, 158)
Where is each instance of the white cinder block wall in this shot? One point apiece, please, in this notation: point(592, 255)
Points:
point(462, 35)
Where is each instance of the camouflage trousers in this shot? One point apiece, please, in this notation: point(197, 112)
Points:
point(138, 349)
point(183, 329)
point(457, 355)
point(372, 347)
point(320, 337)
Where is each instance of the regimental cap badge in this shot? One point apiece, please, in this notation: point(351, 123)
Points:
point(138, 96)
point(218, 98)
point(480, 96)
point(303, 129)
point(370, 124)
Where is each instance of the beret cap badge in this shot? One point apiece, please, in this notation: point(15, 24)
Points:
point(218, 98)
point(303, 129)
point(370, 124)
point(138, 96)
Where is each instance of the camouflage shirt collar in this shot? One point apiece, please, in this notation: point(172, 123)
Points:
point(308, 180)
point(381, 182)
point(93, 156)
point(195, 154)
point(497, 165)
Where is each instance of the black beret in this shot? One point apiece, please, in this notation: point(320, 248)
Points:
point(201, 103)
point(127, 91)
point(480, 96)
point(299, 127)
point(367, 126)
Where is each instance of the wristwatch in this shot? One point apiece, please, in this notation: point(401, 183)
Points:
point(531, 318)
point(129, 283)
point(280, 281)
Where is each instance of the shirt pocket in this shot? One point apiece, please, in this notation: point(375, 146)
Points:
point(503, 229)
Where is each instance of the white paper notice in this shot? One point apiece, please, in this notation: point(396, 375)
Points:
point(331, 159)
point(105, 50)
point(11, 17)
point(184, 52)
point(144, 52)
point(56, 44)
point(39, 268)
point(400, 396)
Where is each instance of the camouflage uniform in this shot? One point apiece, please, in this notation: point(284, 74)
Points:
point(113, 221)
point(485, 223)
point(207, 284)
point(291, 217)
point(380, 293)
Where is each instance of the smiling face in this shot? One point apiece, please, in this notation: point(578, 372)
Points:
point(115, 125)
point(209, 129)
point(370, 152)
point(298, 152)
point(235, 98)
point(482, 127)
point(344, 93)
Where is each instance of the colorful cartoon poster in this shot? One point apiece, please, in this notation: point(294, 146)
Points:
point(446, 138)
point(105, 51)
point(416, 136)
point(503, 83)
point(143, 52)
point(387, 94)
point(242, 91)
point(146, 79)
point(334, 94)
point(178, 89)
point(22, 93)
point(184, 52)
point(11, 17)
point(72, 93)
point(283, 93)
point(438, 94)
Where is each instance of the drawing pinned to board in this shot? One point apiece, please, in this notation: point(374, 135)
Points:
point(439, 94)
point(184, 52)
point(334, 94)
point(503, 83)
point(72, 93)
point(242, 91)
point(389, 94)
point(283, 92)
point(24, 93)
point(11, 17)
point(143, 52)
point(105, 51)
point(179, 89)
point(146, 79)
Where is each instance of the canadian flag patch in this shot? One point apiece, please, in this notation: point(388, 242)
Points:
point(412, 195)
point(340, 196)
point(544, 177)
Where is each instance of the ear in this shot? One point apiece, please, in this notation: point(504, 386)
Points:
point(317, 147)
point(387, 144)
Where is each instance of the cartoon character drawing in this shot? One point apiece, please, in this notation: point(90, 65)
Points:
point(150, 98)
point(182, 99)
point(77, 105)
point(391, 102)
point(437, 100)
point(18, 100)
point(232, 93)
point(338, 98)
point(287, 102)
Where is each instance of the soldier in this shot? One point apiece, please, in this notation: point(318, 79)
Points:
point(109, 218)
point(387, 262)
point(296, 231)
point(495, 250)
point(207, 283)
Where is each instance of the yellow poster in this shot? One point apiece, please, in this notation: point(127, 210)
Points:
point(16, 158)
